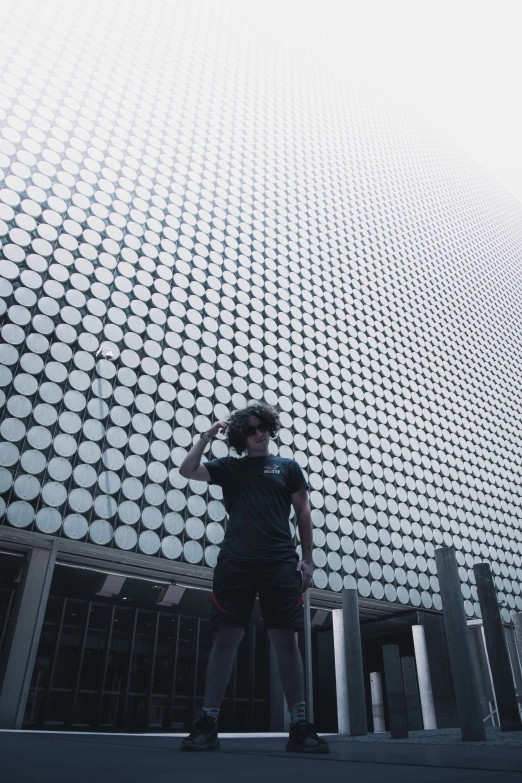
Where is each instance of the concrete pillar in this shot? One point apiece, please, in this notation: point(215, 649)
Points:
point(377, 702)
point(496, 647)
point(308, 670)
point(341, 685)
point(516, 646)
point(517, 620)
point(397, 715)
point(356, 695)
point(464, 680)
point(28, 620)
point(516, 668)
point(423, 675)
point(411, 693)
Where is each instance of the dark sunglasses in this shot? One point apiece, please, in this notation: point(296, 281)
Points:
point(252, 430)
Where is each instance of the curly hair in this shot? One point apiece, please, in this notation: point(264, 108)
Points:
point(235, 433)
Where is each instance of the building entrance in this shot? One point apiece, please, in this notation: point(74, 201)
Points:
point(123, 663)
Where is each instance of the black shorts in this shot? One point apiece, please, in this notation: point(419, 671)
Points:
point(237, 582)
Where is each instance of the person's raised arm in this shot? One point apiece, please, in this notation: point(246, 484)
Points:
point(191, 467)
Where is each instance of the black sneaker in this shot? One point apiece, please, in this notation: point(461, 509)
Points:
point(303, 739)
point(204, 735)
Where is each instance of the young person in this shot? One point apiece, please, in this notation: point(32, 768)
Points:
point(257, 556)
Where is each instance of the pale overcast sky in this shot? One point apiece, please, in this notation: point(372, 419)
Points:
point(458, 63)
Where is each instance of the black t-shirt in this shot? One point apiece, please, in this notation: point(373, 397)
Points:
point(257, 494)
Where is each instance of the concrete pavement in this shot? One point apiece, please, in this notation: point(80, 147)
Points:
point(45, 757)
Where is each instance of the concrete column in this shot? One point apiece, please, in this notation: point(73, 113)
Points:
point(464, 680)
point(395, 692)
point(411, 693)
point(496, 647)
point(28, 619)
point(516, 668)
point(424, 679)
point(517, 620)
point(341, 685)
point(377, 702)
point(354, 665)
point(308, 670)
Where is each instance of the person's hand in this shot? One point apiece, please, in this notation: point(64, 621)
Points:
point(306, 570)
point(218, 426)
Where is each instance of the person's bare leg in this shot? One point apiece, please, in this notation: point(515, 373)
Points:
point(220, 664)
point(290, 664)
point(302, 736)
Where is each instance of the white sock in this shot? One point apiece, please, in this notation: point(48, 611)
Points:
point(212, 712)
point(297, 712)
